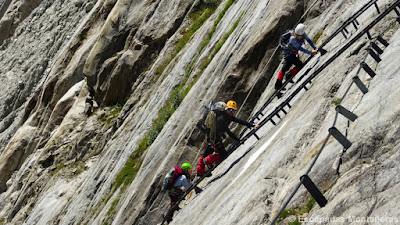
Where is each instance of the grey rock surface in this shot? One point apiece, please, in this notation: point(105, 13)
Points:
point(39, 39)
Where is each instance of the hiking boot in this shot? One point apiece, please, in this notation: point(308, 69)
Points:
point(288, 76)
point(204, 175)
point(278, 84)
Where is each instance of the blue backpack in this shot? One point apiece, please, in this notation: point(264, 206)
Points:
point(171, 177)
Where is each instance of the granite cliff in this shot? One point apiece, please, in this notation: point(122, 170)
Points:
point(99, 99)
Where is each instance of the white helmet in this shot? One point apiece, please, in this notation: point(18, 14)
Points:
point(299, 29)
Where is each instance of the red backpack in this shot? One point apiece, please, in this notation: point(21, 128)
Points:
point(171, 177)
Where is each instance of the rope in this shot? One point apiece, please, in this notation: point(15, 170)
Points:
point(309, 167)
point(344, 150)
point(320, 150)
point(264, 121)
point(312, 5)
point(258, 77)
point(269, 60)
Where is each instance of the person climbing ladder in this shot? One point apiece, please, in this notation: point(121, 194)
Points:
point(216, 124)
point(291, 42)
point(177, 181)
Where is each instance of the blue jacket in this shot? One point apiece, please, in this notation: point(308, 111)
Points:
point(182, 181)
point(296, 45)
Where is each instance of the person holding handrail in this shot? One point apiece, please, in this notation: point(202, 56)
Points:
point(291, 42)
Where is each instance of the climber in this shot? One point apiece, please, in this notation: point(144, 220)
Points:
point(291, 42)
point(217, 124)
point(180, 179)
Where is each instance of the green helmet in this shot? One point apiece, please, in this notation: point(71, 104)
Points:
point(186, 166)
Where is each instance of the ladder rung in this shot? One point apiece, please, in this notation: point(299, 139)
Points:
point(340, 137)
point(377, 8)
point(355, 26)
point(369, 35)
point(346, 113)
point(360, 85)
point(367, 69)
point(382, 41)
point(313, 190)
point(376, 48)
point(344, 34)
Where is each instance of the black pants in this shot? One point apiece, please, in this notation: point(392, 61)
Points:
point(174, 194)
point(208, 150)
point(290, 60)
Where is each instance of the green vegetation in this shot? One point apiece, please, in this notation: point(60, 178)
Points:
point(336, 101)
point(112, 208)
point(280, 56)
point(197, 18)
point(314, 154)
point(205, 42)
point(298, 212)
point(58, 168)
point(72, 127)
point(79, 166)
point(115, 110)
point(393, 25)
point(164, 114)
point(220, 43)
point(132, 166)
point(110, 114)
point(83, 36)
point(212, 31)
point(307, 208)
point(112, 211)
point(286, 213)
point(129, 171)
point(317, 36)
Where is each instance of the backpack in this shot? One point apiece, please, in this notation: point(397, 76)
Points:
point(208, 121)
point(284, 39)
point(171, 177)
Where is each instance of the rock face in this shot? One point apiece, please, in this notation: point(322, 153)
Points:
point(99, 99)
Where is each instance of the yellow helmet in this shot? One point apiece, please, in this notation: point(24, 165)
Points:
point(231, 105)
